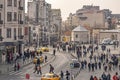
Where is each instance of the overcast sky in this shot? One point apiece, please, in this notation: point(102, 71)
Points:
point(70, 6)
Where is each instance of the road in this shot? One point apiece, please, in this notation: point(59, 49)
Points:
point(61, 62)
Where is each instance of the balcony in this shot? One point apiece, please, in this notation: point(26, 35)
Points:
point(1, 21)
point(20, 8)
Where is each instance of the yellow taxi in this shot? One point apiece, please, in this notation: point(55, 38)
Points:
point(43, 49)
point(50, 76)
point(38, 57)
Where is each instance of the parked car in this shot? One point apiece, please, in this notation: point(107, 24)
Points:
point(113, 42)
point(75, 63)
point(50, 76)
point(38, 57)
point(106, 41)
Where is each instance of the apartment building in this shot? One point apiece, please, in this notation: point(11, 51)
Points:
point(55, 29)
point(39, 13)
point(11, 26)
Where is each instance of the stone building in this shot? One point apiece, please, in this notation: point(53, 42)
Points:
point(112, 34)
point(12, 26)
point(80, 34)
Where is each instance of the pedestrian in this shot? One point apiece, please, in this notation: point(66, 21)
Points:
point(104, 77)
point(99, 64)
point(45, 58)
point(15, 67)
point(3, 58)
point(67, 75)
point(91, 78)
point(119, 67)
point(18, 66)
point(96, 65)
point(95, 78)
point(89, 66)
point(93, 66)
point(54, 51)
point(108, 76)
point(35, 68)
point(61, 74)
point(38, 61)
point(105, 68)
point(39, 70)
point(40, 53)
point(115, 77)
point(51, 69)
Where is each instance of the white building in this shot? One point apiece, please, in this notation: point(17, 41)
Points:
point(80, 34)
point(12, 25)
point(112, 34)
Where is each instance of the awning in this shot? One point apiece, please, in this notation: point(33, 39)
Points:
point(9, 43)
point(20, 42)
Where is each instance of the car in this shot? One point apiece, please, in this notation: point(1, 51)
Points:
point(106, 41)
point(113, 42)
point(38, 57)
point(74, 63)
point(43, 49)
point(50, 76)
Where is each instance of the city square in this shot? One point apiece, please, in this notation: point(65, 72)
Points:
point(59, 40)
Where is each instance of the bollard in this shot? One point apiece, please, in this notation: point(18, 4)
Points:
point(27, 76)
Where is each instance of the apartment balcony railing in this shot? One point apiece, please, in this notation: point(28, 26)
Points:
point(1, 21)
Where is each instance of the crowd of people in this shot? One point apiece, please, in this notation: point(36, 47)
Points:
point(93, 58)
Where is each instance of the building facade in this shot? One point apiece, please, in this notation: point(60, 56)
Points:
point(55, 28)
point(49, 20)
point(80, 34)
point(39, 13)
point(12, 26)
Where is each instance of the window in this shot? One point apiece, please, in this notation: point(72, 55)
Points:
point(0, 32)
point(9, 16)
point(19, 31)
point(15, 3)
point(8, 32)
point(76, 35)
point(15, 16)
point(9, 2)
point(0, 16)
point(1, 6)
point(19, 17)
point(15, 33)
point(19, 4)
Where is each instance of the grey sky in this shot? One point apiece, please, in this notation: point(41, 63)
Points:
point(70, 6)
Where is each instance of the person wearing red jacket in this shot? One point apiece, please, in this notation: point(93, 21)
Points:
point(115, 77)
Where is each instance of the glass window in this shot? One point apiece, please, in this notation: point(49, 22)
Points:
point(9, 2)
point(15, 3)
point(76, 35)
point(0, 32)
point(9, 16)
point(15, 16)
point(8, 32)
point(0, 16)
